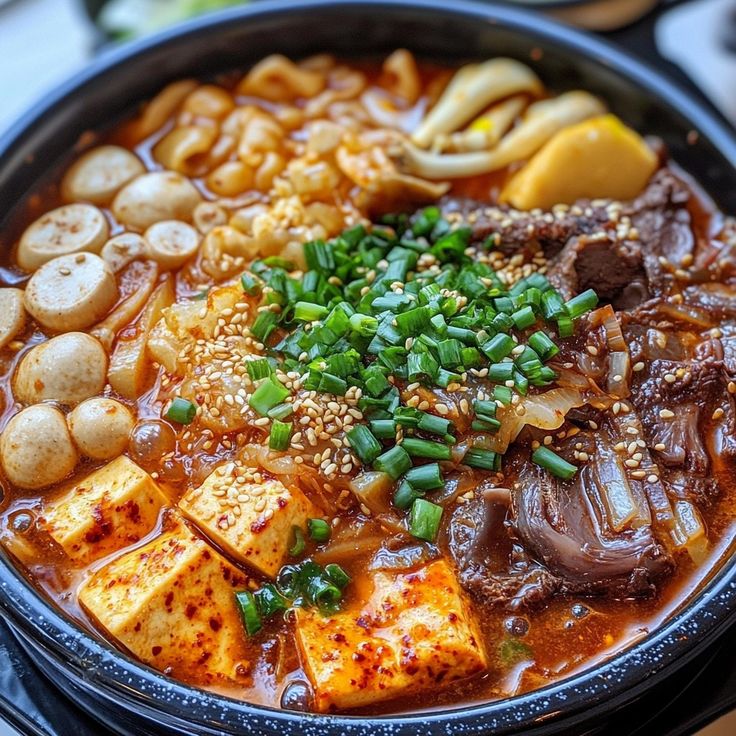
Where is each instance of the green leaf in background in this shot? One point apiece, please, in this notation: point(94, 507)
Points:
point(131, 18)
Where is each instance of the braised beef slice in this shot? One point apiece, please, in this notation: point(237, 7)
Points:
point(562, 525)
point(614, 248)
point(699, 389)
point(490, 566)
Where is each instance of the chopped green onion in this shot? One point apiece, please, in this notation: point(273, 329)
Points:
point(425, 448)
point(424, 519)
point(425, 477)
point(181, 411)
point(487, 408)
point(324, 593)
point(498, 347)
point(280, 411)
point(264, 325)
point(552, 305)
point(338, 576)
point(249, 612)
point(383, 429)
point(299, 544)
point(551, 461)
point(435, 425)
point(280, 435)
point(485, 423)
point(308, 312)
point(251, 284)
point(365, 445)
point(524, 318)
point(394, 462)
point(269, 600)
point(477, 457)
point(363, 324)
point(501, 372)
point(582, 303)
point(258, 369)
point(330, 384)
point(448, 352)
point(269, 393)
point(319, 530)
point(543, 345)
point(503, 394)
point(565, 326)
point(405, 495)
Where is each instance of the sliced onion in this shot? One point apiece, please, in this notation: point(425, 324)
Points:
point(373, 490)
point(619, 374)
point(689, 531)
point(544, 411)
point(621, 507)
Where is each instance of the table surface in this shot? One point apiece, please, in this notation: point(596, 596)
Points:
point(44, 41)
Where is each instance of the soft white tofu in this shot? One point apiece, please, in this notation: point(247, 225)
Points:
point(113, 507)
point(172, 604)
point(415, 633)
point(248, 516)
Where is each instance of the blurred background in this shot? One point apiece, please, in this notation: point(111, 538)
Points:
point(44, 41)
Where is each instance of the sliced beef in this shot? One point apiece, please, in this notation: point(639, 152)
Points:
point(612, 267)
point(515, 230)
point(490, 565)
point(615, 248)
point(564, 526)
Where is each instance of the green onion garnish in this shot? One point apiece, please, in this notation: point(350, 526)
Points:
point(424, 520)
point(477, 457)
point(308, 312)
point(319, 530)
point(582, 303)
point(425, 448)
point(337, 575)
point(269, 393)
point(405, 495)
point(269, 600)
point(246, 602)
point(181, 411)
point(299, 545)
point(365, 445)
point(280, 435)
point(394, 462)
point(258, 369)
point(425, 477)
point(551, 461)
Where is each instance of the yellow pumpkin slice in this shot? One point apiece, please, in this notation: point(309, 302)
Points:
point(597, 158)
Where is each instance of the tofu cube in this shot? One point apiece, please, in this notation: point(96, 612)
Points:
point(172, 604)
point(415, 633)
point(249, 517)
point(113, 507)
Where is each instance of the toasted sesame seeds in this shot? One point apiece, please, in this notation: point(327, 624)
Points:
point(666, 414)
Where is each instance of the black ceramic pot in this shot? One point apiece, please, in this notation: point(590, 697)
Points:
point(130, 698)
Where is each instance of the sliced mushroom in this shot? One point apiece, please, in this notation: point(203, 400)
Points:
point(12, 314)
point(471, 90)
point(36, 448)
point(542, 120)
point(122, 250)
point(150, 198)
point(97, 175)
point(486, 130)
point(71, 228)
point(71, 292)
point(101, 427)
point(171, 243)
point(68, 369)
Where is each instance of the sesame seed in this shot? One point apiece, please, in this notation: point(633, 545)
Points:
point(666, 414)
point(638, 367)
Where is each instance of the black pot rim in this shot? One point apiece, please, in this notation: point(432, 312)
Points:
point(115, 677)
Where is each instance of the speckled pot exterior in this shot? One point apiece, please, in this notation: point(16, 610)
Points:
point(130, 698)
